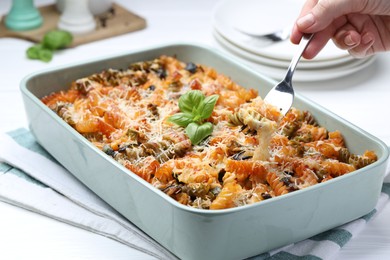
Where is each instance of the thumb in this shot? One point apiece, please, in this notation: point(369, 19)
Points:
point(327, 11)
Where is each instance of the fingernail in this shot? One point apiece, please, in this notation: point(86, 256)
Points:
point(306, 21)
point(349, 41)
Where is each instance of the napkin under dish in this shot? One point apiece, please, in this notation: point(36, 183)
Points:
point(30, 178)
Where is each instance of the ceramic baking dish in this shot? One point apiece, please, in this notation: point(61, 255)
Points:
point(205, 234)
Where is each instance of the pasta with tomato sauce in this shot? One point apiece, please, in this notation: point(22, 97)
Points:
point(252, 154)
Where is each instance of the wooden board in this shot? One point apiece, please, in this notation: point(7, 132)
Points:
point(115, 22)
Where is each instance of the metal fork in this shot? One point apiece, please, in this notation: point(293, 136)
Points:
point(273, 37)
point(282, 95)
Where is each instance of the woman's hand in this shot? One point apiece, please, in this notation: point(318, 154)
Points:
point(360, 26)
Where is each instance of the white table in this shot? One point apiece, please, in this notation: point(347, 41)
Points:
point(362, 98)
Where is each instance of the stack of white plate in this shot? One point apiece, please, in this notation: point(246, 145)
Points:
point(234, 20)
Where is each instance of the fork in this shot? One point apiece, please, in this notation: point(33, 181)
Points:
point(282, 95)
point(273, 37)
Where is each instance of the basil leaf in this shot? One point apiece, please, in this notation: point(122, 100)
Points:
point(189, 101)
point(57, 39)
point(53, 40)
point(195, 108)
point(45, 55)
point(207, 106)
point(181, 119)
point(33, 52)
point(197, 132)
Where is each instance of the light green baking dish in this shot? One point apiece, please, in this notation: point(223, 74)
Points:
point(205, 234)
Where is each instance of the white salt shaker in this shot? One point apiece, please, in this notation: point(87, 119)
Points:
point(96, 7)
point(76, 17)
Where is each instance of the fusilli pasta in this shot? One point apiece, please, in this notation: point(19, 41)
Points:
point(253, 153)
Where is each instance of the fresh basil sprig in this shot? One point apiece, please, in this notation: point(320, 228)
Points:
point(195, 107)
point(52, 41)
point(197, 132)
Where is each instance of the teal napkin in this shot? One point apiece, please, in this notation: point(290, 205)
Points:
point(31, 179)
point(60, 196)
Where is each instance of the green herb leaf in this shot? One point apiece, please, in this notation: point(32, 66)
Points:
point(207, 106)
point(53, 40)
point(33, 52)
point(57, 39)
point(45, 55)
point(38, 52)
point(195, 108)
point(190, 101)
point(181, 119)
point(197, 132)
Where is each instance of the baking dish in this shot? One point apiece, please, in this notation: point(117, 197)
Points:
point(205, 234)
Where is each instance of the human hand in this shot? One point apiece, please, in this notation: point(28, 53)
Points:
point(360, 26)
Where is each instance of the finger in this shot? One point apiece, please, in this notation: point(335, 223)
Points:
point(321, 38)
point(347, 37)
point(296, 34)
point(317, 44)
point(364, 49)
point(307, 7)
point(325, 12)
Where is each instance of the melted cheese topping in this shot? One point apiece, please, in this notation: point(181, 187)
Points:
point(253, 153)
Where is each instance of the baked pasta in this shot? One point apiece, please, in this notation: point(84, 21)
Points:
point(252, 154)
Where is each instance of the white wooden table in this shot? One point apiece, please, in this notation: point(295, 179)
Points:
point(362, 98)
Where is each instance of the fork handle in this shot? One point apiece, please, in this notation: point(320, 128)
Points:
point(306, 38)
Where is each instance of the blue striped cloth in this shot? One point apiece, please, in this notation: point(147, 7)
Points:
point(322, 246)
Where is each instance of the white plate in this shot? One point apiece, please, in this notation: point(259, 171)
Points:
point(300, 75)
point(262, 17)
point(311, 76)
point(276, 62)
